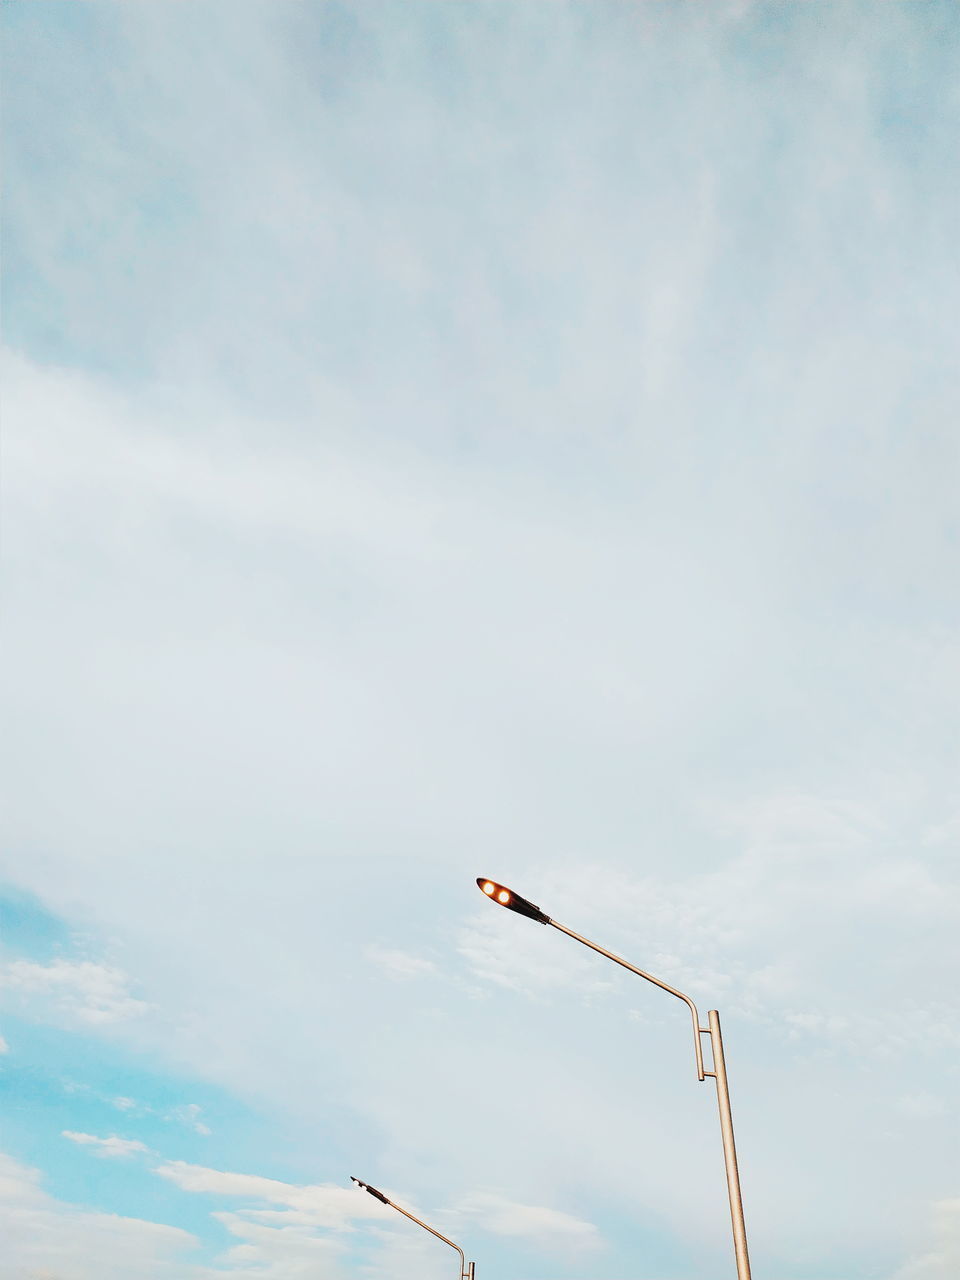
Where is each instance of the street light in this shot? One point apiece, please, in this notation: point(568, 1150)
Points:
point(514, 902)
point(466, 1268)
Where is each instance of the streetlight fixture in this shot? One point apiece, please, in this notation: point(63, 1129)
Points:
point(466, 1268)
point(514, 902)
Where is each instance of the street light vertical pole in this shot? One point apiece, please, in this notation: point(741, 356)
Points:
point(729, 1147)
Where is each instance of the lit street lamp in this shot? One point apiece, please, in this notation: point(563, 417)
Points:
point(513, 902)
point(466, 1268)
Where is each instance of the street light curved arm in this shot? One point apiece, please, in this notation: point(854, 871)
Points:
point(466, 1268)
point(523, 906)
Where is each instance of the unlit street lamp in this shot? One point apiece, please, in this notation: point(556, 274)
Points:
point(513, 902)
point(466, 1268)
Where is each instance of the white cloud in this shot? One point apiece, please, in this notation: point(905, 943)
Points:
point(400, 964)
point(4, 1047)
point(295, 1239)
point(46, 1237)
point(78, 992)
point(112, 1147)
point(309, 1208)
point(324, 1206)
point(189, 1114)
point(43, 1236)
point(924, 1106)
point(495, 953)
point(279, 1252)
point(941, 1261)
point(542, 1227)
point(943, 833)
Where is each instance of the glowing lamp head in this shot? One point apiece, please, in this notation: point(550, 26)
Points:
point(512, 901)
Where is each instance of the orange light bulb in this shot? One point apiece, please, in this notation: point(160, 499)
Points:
point(489, 888)
point(503, 896)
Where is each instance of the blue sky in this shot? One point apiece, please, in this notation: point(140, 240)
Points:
point(492, 438)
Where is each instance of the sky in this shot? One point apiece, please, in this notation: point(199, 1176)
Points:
point(479, 439)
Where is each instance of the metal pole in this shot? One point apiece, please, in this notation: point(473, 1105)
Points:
point(729, 1148)
point(470, 1267)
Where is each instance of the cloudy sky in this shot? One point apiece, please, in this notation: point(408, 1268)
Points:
point(512, 439)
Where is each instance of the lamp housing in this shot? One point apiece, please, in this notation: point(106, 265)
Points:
point(365, 1186)
point(505, 897)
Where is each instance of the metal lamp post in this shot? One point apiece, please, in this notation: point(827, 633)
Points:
point(514, 902)
point(466, 1268)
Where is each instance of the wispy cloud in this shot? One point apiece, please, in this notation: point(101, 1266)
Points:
point(544, 1228)
point(326, 1206)
point(42, 1235)
point(400, 965)
point(189, 1114)
point(111, 1148)
point(78, 992)
point(941, 1260)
